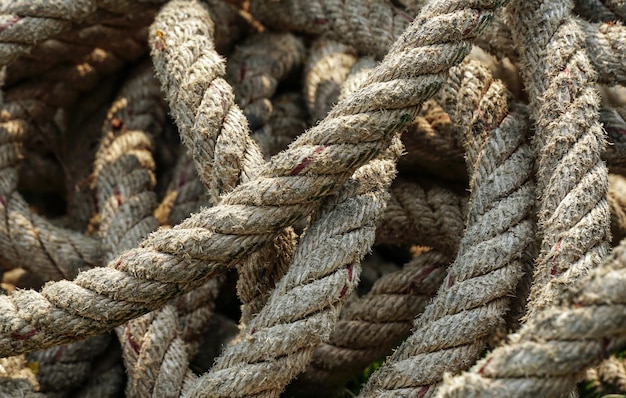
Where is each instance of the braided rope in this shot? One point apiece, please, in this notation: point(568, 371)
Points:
point(473, 299)
point(287, 189)
point(573, 216)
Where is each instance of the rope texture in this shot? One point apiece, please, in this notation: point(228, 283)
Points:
point(287, 189)
point(491, 253)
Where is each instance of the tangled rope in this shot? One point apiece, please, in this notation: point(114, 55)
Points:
point(218, 217)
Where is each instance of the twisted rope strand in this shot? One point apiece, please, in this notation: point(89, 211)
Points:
point(371, 326)
point(552, 349)
point(474, 297)
point(303, 308)
point(256, 67)
point(573, 217)
point(25, 23)
point(423, 215)
point(370, 27)
point(173, 261)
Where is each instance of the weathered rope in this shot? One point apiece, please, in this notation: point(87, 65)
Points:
point(553, 348)
point(287, 121)
point(256, 67)
point(573, 215)
point(423, 214)
point(370, 27)
point(610, 375)
point(17, 380)
point(303, 308)
point(327, 66)
point(287, 189)
point(617, 202)
point(606, 46)
point(234, 156)
point(25, 23)
point(474, 297)
point(28, 240)
point(184, 195)
point(372, 325)
point(594, 11)
point(63, 368)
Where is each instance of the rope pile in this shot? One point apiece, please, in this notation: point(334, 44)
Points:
point(211, 198)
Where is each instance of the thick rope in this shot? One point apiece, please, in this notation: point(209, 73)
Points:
point(24, 23)
point(287, 121)
point(423, 214)
point(606, 46)
point(553, 348)
point(474, 298)
point(234, 156)
point(594, 11)
point(302, 310)
point(28, 240)
point(173, 261)
point(327, 66)
point(370, 27)
point(573, 215)
point(256, 67)
point(372, 325)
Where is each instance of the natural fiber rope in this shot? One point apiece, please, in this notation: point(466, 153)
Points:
point(423, 214)
point(594, 11)
point(370, 27)
point(617, 202)
point(287, 189)
point(28, 239)
point(552, 349)
point(224, 153)
point(24, 23)
point(474, 297)
point(302, 310)
point(371, 326)
point(573, 215)
point(63, 368)
point(287, 121)
point(609, 376)
point(184, 195)
point(326, 68)
point(16, 379)
point(606, 46)
point(256, 67)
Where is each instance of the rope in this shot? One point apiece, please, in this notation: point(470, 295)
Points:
point(474, 297)
point(287, 189)
point(256, 67)
point(606, 45)
point(370, 27)
point(25, 23)
point(617, 190)
point(327, 66)
point(548, 355)
point(428, 215)
point(306, 302)
point(28, 240)
point(372, 325)
point(594, 10)
point(573, 215)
